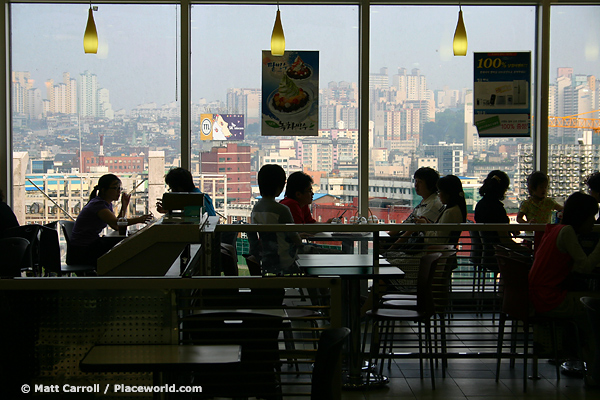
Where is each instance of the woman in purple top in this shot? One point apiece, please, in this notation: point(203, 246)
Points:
point(86, 245)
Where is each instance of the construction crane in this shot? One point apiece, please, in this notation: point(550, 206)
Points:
point(574, 121)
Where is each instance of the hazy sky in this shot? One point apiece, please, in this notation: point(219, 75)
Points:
point(138, 51)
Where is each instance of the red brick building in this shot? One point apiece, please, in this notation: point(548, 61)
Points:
point(233, 161)
point(116, 164)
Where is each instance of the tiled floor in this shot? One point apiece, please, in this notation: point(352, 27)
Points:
point(475, 379)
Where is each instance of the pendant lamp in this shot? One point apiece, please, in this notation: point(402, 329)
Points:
point(277, 38)
point(460, 36)
point(90, 37)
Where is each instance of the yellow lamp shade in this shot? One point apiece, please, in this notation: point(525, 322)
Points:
point(277, 38)
point(90, 37)
point(460, 37)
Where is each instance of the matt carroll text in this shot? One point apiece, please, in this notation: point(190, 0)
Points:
point(66, 388)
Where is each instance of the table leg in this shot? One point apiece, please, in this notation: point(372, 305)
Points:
point(356, 377)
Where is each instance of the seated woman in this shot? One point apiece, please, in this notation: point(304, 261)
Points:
point(452, 196)
point(428, 210)
point(181, 180)
point(86, 244)
point(490, 210)
point(559, 256)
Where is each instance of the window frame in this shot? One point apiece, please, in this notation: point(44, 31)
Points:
point(541, 77)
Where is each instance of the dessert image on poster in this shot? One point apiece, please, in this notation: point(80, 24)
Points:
point(290, 93)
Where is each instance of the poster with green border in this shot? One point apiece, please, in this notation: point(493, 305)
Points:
point(502, 94)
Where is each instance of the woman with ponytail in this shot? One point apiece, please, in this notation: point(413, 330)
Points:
point(86, 245)
point(490, 210)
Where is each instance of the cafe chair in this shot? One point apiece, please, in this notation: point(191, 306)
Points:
point(14, 256)
point(441, 296)
point(257, 374)
point(31, 233)
point(383, 320)
point(327, 363)
point(514, 273)
point(476, 260)
point(71, 267)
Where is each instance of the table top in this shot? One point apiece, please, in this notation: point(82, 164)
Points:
point(338, 260)
point(156, 357)
point(337, 236)
point(346, 265)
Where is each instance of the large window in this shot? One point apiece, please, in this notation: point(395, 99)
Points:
point(573, 99)
point(77, 116)
point(421, 95)
point(227, 44)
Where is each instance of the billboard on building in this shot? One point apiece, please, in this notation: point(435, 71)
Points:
point(222, 127)
point(290, 94)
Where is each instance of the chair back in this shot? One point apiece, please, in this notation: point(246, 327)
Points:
point(440, 285)
point(32, 234)
point(67, 230)
point(476, 253)
point(50, 250)
point(256, 333)
point(514, 273)
point(14, 256)
point(427, 267)
point(327, 363)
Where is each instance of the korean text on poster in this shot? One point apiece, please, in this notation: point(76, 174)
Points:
point(290, 93)
point(502, 93)
point(222, 127)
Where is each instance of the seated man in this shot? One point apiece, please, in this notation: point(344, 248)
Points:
point(180, 180)
point(275, 250)
point(299, 196)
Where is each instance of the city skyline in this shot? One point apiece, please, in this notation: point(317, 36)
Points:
point(148, 47)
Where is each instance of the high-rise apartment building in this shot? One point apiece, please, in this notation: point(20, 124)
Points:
point(21, 85)
point(63, 96)
point(316, 153)
point(87, 94)
point(568, 167)
point(449, 157)
point(245, 101)
point(380, 80)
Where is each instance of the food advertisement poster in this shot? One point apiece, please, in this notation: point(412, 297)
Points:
point(222, 127)
point(502, 94)
point(290, 93)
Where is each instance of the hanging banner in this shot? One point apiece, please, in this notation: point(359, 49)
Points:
point(290, 94)
point(221, 126)
point(502, 93)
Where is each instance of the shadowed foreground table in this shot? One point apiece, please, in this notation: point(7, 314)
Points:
point(351, 268)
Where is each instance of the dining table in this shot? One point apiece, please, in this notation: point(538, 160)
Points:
point(348, 239)
point(352, 268)
point(157, 358)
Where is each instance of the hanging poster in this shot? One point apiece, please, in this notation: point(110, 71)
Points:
point(221, 126)
point(502, 93)
point(290, 93)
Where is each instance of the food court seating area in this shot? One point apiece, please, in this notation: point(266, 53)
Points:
point(57, 323)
